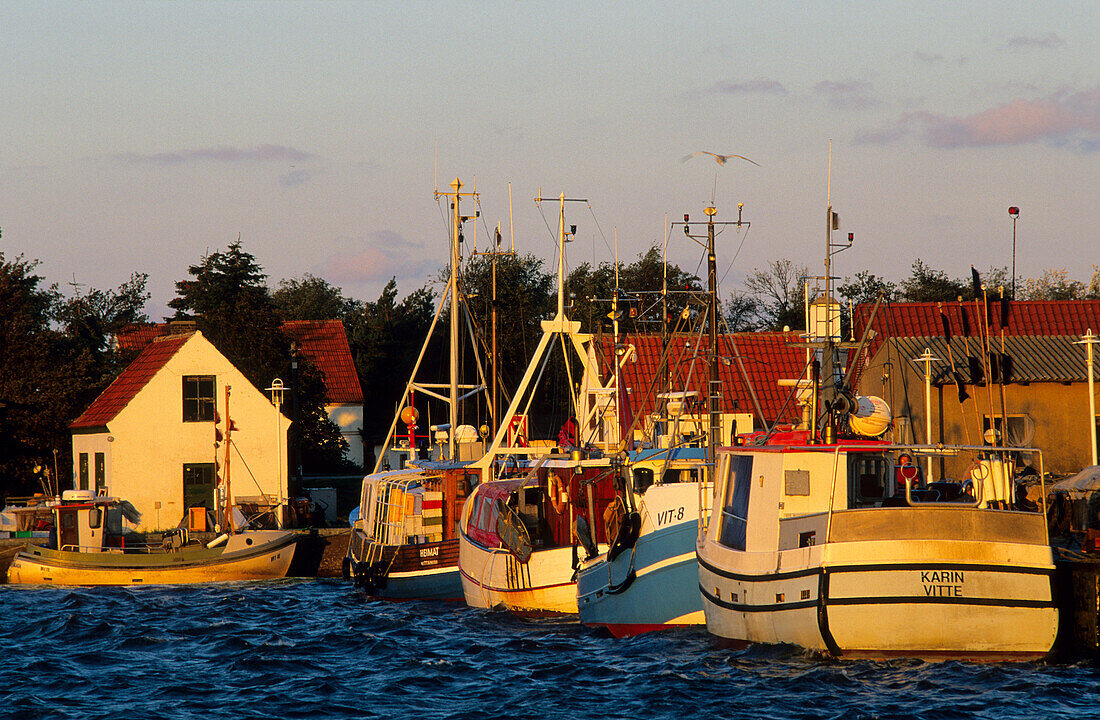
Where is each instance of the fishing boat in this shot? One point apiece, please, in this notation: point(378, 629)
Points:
point(647, 581)
point(89, 547)
point(827, 536)
point(402, 543)
point(543, 505)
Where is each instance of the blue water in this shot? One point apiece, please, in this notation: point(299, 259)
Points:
point(321, 649)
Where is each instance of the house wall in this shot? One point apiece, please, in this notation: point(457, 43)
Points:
point(349, 418)
point(150, 443)
point(1059, 410)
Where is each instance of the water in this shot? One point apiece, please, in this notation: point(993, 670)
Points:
point(321, 649)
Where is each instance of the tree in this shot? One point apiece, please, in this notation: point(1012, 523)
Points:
point(741, 312)
point(928, 285)
point(778, 293)
point(230, 303)
point(526, 295)
point(385, 338)
point(1054, 284)
point(312, 298)
point(640, 285)
point(866, 287)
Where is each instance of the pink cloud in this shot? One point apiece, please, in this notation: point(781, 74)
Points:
point(1064, 119)
point(384, 254)
point(1059, 118)
point(765, 87)
point(1035, 42)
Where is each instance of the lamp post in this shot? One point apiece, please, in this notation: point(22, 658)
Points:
point(277, 389)
point(927, 359)
point(1088, 341)
point(1014, 213)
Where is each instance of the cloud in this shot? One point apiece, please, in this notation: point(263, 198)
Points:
point(220, 153)
point(295, 177)
point(928, 58)
point(763, 87)
point(384, 254)
point(1050, 41)
point(847, 95)
point(1064, 119)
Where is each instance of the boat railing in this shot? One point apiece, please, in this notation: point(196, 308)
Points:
point(980, 500)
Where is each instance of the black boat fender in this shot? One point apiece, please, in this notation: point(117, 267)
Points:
point(627, 537)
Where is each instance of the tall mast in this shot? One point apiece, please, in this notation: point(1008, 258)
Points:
point(456, 234)
point(712, 322)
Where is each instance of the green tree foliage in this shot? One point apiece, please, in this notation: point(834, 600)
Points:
point(526, 295)
point(741, 311)
point(312, 298)
point(230, 303)
point(385, 337)
point(640, 285)
point(928, 285)
point(54, 360)
point(866, 287)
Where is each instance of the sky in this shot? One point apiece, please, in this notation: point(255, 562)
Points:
point(140, 136)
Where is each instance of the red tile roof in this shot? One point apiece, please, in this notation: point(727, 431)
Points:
point(130, 382)
point(1033, 324)
point(1025, 317)
point(325, 343)
point(767, 358)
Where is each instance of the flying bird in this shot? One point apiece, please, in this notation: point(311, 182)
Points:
point(720, 159)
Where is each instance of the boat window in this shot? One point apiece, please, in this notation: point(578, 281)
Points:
point(671, 476)
point(867, 479)
point(643, 478)
point(95, 517)
point(68, 520)
point(735, 504)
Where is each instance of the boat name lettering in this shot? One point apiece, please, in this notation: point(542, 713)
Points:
point(942, 583)
point(666, 516)
point(429, 552)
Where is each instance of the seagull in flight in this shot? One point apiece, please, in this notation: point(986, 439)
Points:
point(720, 159)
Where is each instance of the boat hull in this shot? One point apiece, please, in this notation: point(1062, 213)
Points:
point(494, 578)
point(654, 586)
point(427, 571)
point(255, 555)
point(934, 599)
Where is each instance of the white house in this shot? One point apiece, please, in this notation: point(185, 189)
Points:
point(153, 436)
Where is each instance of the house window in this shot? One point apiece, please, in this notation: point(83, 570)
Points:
point(198, 398)
point(198, 485)
point(83, 471)
point(100, 472)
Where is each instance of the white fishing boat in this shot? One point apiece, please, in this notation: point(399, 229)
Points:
point(525, 528)
point(826, 538)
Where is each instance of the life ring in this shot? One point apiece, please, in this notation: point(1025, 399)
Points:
point(556, 493)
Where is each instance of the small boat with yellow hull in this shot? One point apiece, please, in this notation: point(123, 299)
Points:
point(89, 548)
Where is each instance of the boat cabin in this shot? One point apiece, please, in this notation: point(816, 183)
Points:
point(86, 523)
point(539, 512)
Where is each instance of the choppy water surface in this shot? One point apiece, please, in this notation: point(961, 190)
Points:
point(320, 649)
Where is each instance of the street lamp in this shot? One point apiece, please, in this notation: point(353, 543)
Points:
point(277, 389)
point(1014, 213)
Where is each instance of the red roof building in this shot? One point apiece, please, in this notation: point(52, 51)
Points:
point(323, 342)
